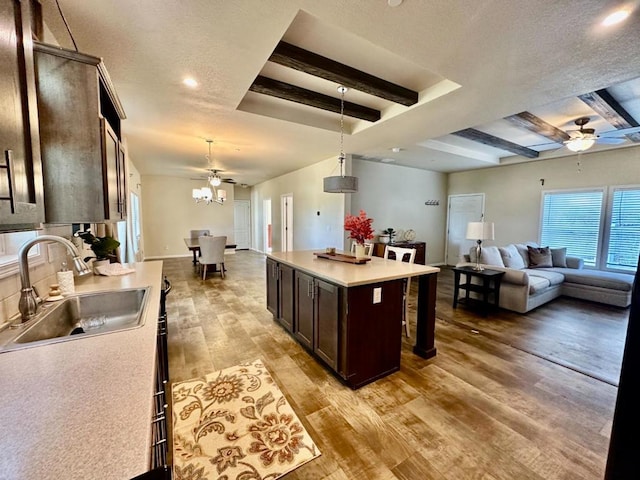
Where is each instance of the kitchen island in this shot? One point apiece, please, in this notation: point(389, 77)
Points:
point(350, 316)
point(82, 408)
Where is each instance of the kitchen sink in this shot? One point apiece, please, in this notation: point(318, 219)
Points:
point(83, 315)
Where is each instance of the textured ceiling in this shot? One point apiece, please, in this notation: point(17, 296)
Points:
point(473, 63)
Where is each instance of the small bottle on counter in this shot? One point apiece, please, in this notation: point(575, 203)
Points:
point(65, 280)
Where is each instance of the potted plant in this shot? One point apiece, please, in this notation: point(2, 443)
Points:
point(104, 248)
point(359, 228)
point(387, 235)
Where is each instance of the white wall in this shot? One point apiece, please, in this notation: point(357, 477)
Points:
point(395, 197)
point(513, 193)
point(310, 230)
point(169, 213)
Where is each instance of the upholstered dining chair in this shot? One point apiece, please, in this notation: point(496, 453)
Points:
point(400, 254)
point(212, 253)
point(368, 248)
point(198, 233)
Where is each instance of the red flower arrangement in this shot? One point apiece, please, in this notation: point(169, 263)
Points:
point(359, 227)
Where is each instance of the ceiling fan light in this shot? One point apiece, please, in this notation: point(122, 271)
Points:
point(215, 180)
point(580, 144)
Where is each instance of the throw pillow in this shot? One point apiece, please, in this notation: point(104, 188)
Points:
point(559, 257)
point(491, 256)
point(524, 253)
point(511, 258)
point(539, 257)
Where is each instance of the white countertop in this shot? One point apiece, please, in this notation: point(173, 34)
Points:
point(81, 409)
point(348, 274)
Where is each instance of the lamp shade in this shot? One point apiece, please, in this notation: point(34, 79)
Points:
point(341, 184)
point(480, 231)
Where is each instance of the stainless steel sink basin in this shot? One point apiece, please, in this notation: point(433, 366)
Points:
point(82, 315)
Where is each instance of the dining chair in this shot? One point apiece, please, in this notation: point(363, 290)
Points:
point(198, 233)
point(400, 254)
point(368, 248)
point(212, 253)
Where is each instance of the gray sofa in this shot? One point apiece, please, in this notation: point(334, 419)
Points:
point(532, 278)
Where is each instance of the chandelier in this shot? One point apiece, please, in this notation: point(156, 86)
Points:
point(341, 183)
point(210, 193)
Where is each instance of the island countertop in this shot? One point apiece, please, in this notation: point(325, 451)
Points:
point(82, 408)
point(348, 274)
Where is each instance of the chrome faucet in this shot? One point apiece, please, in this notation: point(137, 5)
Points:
point(28, 304)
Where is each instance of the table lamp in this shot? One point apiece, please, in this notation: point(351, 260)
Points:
point(479, 231)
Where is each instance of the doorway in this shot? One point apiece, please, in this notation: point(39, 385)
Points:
point(462, 209)
point(267, 233)
point(242, 224)
point(286, 202)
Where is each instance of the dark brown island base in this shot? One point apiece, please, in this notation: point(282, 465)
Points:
point(350, 316)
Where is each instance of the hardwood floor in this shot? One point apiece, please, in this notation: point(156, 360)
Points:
point(484, 408)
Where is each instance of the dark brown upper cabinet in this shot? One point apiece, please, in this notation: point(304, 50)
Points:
point(83, 159)
point(21, 192)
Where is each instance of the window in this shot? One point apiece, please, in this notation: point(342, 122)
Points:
point(601, 226)
point(10, 244)
point(624, 229)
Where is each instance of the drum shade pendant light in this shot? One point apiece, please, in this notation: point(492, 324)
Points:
point(342, 183)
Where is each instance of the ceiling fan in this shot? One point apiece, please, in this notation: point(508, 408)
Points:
point(584, 138)
point(216, 179)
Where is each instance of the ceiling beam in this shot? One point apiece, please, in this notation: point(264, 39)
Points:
point(308, 62)
point(286, 91)
point(486, 139)
point(603, 103)
point(537, 125)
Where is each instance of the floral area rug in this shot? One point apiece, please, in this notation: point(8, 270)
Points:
point(236, 424)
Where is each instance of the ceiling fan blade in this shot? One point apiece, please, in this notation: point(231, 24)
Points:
point(610, 140)
point(229, 180)
point(541, 147)
point(619, 133)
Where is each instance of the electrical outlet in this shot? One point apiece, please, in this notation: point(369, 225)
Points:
point(377, 295)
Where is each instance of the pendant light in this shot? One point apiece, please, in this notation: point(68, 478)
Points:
point(341, 183)
point(207, 194)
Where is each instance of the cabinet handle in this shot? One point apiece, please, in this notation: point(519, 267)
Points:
point(8, 166)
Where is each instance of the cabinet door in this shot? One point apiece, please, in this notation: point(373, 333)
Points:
point(272, 287)
point(304, 309)
point(286, 295)
point(327, 300)
point(21, 202)
point(111, 160)
point(122, 182)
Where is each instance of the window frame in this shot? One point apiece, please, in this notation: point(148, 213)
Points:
point(604, 229)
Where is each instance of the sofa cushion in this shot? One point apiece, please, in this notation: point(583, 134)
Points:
point(597, 278)
point(539, 257)
point(559, 257)
point(491, 256)
point(537, 284)
point(511, 257)
point(554, 276)
point(524, 252)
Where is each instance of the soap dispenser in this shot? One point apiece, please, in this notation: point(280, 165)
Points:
point(65, 280)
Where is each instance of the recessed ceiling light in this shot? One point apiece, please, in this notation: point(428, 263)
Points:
point(396, 149)
point(394, 3)
point(616, 17)
point(190, 82)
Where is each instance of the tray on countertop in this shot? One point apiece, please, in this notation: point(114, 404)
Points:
point(340, 257)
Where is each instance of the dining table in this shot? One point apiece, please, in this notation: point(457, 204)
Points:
point(193, 244)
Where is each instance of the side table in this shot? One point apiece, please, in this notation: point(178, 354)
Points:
point(491, 280)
